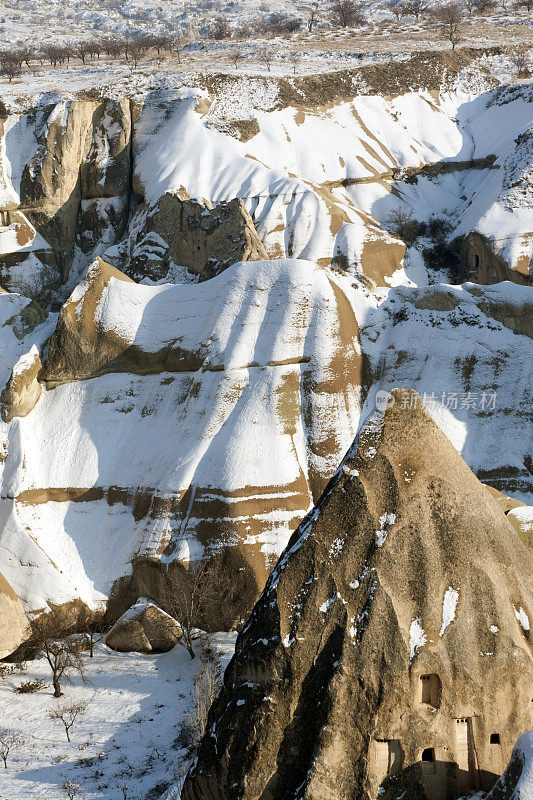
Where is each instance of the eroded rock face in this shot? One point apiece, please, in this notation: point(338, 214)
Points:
point(144, 628)
point(73, 188)
point(390, 651)
point(202, 237)
point(14, 625)
point(23, 389)
point(175, 394)
point(482, 263)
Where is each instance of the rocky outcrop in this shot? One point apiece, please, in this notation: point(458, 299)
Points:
point(23, 388)
point(144, 628)
point(14, 625)
point(80, 347)
point(481, 262)
point(203, 237)
point(74, 188)
point(390, 652)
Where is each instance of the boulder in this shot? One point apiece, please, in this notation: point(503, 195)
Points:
point(144, 628)
point(14, 625)
point(390, 652)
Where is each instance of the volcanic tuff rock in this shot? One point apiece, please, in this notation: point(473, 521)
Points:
point(144, 628)
point(390, 651)
point(70, 181)
point(516, 783)
point(215, 415)
point(14, 626)
point(206, 239)
point(23, 388)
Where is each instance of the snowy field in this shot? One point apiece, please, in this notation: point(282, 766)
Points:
point(124, 746)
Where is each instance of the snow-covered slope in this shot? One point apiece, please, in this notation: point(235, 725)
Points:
point(239, 412)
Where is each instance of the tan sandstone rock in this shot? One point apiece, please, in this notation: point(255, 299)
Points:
point(14, 626)
point(144, 628)
point(390, 652)
point(203, 237)
point(23, 388)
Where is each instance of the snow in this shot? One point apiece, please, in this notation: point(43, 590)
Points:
point(449, 605)
point(127, 737)
point(522, 618)
point(417, 637)
point(385, 521)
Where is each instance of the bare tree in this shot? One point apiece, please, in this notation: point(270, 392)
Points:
point(9, 740)
point(9, 65)
point(485, 6)
point(236, 56)
point(50, 636)
point(82, 50)
point(266, 57)
point(92, 624)
point(189, 597)
point(312, 15)
point(347, 13)
point(520, 60)
point(417, 8)
point(68, 715)
point(295, 59)
point(450, 17)
point(136, 51)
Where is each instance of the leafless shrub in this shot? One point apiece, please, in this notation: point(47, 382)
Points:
point(9, 740)
point(30, 687)
point(68, 715)
point(403, 224)
point(295, 59)
point(71, 789)
point(206, 686)
point(6, 669)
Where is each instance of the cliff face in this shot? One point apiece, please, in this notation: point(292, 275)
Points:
point(14, 626)
point(113, 178)
point(198, 388)
point(390, 651)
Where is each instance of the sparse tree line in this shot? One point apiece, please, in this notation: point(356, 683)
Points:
point(448, 17)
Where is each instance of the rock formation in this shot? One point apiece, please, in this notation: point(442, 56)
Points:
point(516, 783)
point(170, 396)
point(204, 238)
point(14, 626)
point(23, 388)
point(390, 652)
point(144, 628)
